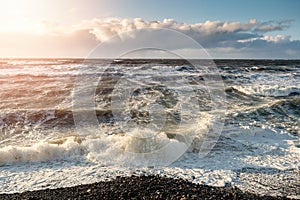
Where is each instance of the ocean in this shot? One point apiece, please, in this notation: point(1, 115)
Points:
point(65, 122)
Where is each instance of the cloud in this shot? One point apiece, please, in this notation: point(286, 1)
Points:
point(242, 39)
point(106, 28)
point(229, 39)
point(268, 38)
point(208, 33)
point(273, 26)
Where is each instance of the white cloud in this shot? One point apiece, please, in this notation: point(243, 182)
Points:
point(277, 38)
point(105, 28)
point(268, 38)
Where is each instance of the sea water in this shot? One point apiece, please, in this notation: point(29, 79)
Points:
point(50, 137)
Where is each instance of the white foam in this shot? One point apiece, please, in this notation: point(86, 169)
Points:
point(265, 84)
point(41, 151)
point(269, 90)
point(130, 150)
point(122, 149)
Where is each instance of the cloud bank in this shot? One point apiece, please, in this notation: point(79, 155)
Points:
point(252, 39)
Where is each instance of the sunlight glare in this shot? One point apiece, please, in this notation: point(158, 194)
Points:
point(14, 16)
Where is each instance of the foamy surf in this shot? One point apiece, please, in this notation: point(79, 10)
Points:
point(238, 153)
point(41, 151)
point(138, 147)
point(271, 90)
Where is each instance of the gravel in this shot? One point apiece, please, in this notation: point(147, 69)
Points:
point(139, 187)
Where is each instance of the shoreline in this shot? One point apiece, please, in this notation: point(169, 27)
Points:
point(140, 187)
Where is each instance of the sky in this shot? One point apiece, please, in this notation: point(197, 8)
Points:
point(224, 28)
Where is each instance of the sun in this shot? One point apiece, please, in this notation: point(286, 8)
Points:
point(15, 16)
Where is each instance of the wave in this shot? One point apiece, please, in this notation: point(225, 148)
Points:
point(137, 147)
point(41, 62)
point(41, 151)
point(233, 93)
point(279, 115)
point(34, 117)
point(26, 126)
point(269, 91)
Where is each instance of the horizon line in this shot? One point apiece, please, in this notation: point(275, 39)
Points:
point(139, 58)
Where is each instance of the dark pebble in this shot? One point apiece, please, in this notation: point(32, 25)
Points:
point(140, 187)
